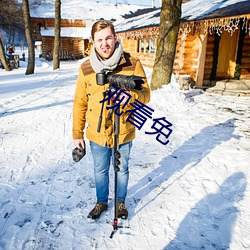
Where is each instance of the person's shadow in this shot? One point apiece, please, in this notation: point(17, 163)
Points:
point(210, 223)
point(186, 156)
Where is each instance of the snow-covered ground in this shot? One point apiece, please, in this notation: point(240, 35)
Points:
point(192, 193)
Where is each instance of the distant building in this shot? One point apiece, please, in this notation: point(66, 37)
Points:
point(77, 19)
point(75, 36)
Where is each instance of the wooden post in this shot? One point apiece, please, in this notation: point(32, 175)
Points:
point(201, 60)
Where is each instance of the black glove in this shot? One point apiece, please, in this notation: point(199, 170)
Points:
point(78, 153)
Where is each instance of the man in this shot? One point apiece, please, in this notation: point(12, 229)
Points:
point(107, 54)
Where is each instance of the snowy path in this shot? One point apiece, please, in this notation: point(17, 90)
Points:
point(190, 194)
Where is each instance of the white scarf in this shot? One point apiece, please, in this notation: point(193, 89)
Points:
point(98, 64)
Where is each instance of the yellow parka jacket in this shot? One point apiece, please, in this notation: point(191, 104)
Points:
point(87, 106)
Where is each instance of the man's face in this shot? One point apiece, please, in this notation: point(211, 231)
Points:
point(104, 42)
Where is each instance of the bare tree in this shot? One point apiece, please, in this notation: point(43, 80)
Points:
point(168, 34)
point(11, 17)
point(3, 57)
point(28, 33)
point(56, 59)
point(11, 24)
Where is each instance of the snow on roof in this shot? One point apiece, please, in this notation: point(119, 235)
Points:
point(145, 20)
point(197, 9)
point(192, 10)
point(85, 10)
point(79, 32)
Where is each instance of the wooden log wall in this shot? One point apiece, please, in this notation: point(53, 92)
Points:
point(186, 55)
point(73, 45)
point(190, 56)
point(146, 59)
point(66, 44)
point(131, 46)
point(47, 45)
point(178, 61)
point(50, 22)
point(79, 46)
point(185, 59)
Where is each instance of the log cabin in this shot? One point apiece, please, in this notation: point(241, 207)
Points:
point(213, 41)
point(74, 37)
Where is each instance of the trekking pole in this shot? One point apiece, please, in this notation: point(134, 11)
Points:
point(117, 156)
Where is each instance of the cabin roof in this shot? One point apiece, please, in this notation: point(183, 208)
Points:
point(193, 10)
point(140, 21)
point(208, 9)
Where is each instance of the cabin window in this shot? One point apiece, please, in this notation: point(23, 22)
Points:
point(146, 45)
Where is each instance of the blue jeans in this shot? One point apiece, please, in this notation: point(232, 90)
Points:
point(102, 158)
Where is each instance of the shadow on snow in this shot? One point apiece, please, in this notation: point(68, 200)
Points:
point(23, 110)
point(210, 223)
point(189, 155)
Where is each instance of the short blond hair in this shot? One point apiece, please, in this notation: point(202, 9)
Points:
point(100, 25)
